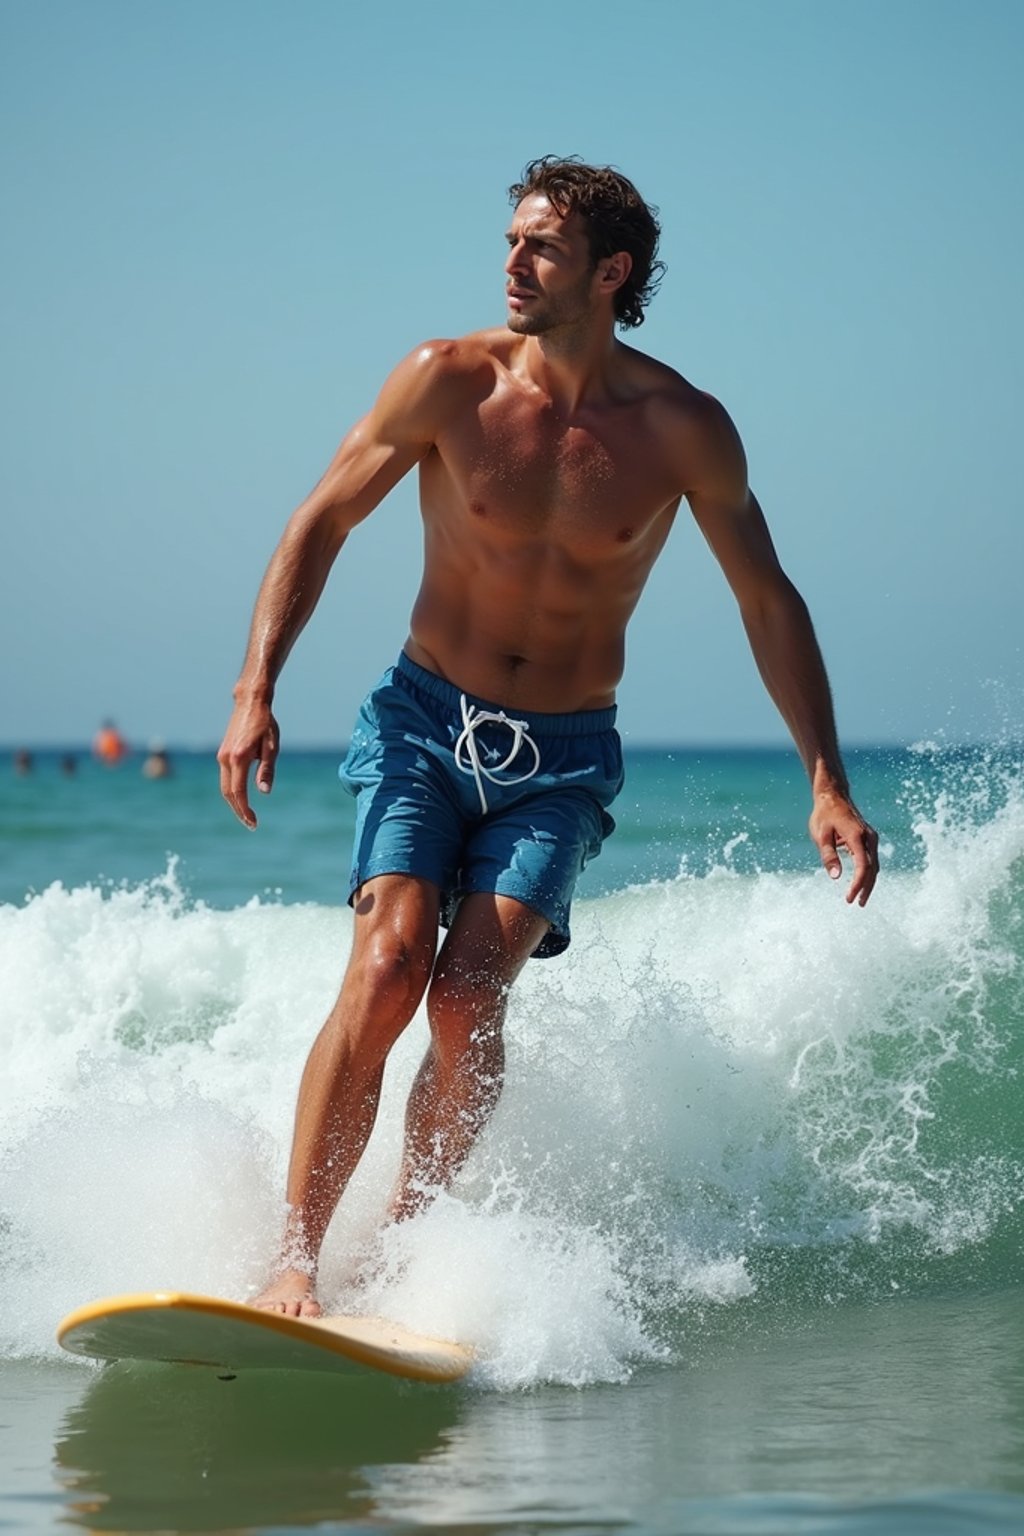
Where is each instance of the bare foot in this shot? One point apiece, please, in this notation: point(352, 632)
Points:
point(291, 1292)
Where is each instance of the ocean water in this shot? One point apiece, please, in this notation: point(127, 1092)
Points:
point(741, 1251)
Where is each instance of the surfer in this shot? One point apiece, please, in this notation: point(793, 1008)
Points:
point(552, 460)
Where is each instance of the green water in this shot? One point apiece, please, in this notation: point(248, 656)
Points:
point(860, 1408)
point(741, 1249)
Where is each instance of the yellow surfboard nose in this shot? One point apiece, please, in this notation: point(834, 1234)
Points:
point(178, 1328)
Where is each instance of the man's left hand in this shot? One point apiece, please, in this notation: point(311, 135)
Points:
point(837, 824)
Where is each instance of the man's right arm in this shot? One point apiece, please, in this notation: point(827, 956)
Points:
point(375, 455)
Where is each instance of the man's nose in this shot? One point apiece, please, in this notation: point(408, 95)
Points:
point(516, 258)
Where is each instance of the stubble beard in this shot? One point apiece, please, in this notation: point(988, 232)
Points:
point(549, 314)
point(528, 325)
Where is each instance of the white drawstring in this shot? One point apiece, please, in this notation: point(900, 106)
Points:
point(466, 748)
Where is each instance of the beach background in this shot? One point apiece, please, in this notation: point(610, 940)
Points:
point(741, 1250)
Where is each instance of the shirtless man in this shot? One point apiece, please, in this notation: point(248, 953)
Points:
point(552, 459)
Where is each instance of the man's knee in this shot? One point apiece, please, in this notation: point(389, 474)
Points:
point(392, 957)
point(391, 971)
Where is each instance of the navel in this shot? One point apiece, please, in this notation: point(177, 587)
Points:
point(478, 509)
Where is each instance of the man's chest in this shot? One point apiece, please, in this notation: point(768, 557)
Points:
point(524, 471)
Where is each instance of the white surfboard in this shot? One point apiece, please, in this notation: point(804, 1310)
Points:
point(178, 1328)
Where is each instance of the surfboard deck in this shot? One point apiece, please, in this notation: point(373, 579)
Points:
point(179, 1328)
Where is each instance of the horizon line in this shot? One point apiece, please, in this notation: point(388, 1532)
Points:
point(647, 744)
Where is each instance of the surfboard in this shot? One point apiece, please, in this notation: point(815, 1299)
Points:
point(182, 1329)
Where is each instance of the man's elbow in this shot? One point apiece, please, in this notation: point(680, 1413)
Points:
point(318, 529)
point(770, 601)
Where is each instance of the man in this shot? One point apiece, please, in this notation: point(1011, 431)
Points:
point(552, 459)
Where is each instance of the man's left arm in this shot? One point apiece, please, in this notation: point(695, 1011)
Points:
point(783, 641)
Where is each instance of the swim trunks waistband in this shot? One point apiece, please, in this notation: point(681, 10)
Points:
point(581, 722)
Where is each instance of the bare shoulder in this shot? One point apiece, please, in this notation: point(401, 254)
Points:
point(674, 401)
point(436, 378)
point(455, 355)
point(694, 428)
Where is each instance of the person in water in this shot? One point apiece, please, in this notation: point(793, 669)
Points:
point(109, 746)
point(158, 762)
point(552, 460)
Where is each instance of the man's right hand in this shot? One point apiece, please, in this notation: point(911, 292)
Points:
point(252, 736)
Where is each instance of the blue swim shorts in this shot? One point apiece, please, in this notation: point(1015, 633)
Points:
point(453, 790)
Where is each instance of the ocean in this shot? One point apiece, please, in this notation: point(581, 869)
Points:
point(740, 1252)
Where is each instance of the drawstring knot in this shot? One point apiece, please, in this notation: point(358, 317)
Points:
point(467, 754)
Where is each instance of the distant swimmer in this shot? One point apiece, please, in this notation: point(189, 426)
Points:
point(23, 762)
point(552, 460)
point(158, 763)
point(109, 746)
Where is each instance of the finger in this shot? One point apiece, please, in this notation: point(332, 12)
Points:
point(830, 858)
point(268, 758)
point(238, 799)
point(234, 786)
point(865, 858)
point(243, 810)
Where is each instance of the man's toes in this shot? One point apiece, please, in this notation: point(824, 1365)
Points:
point(301, 1306)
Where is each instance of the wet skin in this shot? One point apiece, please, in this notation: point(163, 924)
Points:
point(552, 462)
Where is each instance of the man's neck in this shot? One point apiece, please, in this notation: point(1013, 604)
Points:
point(574, 365)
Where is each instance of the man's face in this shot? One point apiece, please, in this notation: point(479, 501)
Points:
point(549, 271)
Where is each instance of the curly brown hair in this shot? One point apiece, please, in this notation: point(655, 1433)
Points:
point(616, 216)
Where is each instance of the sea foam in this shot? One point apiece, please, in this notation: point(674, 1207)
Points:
point(729, 1087)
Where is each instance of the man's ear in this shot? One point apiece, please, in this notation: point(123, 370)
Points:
point(612, 271)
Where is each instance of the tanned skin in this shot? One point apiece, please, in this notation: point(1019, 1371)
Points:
point(552, 461)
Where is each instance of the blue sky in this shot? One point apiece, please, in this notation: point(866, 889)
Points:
point(224, 223)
